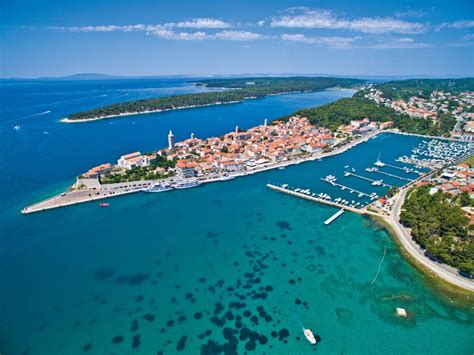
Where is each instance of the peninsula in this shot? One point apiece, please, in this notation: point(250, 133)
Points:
point(315, 133)
point(230, 91)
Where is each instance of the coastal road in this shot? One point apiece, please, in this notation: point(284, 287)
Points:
point(444, 271)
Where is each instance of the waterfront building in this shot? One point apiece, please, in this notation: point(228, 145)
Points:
point(185, 169)
point(97, 170)
point(131, 161)
point(170, 140)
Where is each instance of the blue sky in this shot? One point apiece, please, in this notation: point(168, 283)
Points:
point(207, 37)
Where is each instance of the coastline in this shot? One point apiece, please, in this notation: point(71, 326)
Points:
point(80, 196)
point(126, 114)
point(442, 271)
point(458, 295)
point(409, 247)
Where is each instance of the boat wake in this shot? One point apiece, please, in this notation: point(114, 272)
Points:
point(380, 265)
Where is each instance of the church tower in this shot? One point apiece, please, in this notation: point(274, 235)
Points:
point(170, 141)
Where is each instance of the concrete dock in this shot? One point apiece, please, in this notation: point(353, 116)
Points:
point(343, 187)
point(320, 200)
point(334, 216)
point(392, 175)
point(366, 178)
point(75, 197)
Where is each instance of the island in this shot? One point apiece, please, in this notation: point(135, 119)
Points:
point(231, 91)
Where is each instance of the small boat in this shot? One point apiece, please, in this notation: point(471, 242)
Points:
point(309, 336)
point(104, 204)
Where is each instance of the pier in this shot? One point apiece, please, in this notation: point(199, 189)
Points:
point(405, 169)
point(346, 188)
point(334, 217)
point(392, 175)
point(287, 191)
point(347, 173)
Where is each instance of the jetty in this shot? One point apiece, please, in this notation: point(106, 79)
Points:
point(380, 163)
point(343, 187)
point(392, 175)
point(347, 173)
point(287, 191)
point(334, 217)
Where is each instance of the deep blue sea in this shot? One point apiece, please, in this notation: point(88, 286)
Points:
point(225, 267)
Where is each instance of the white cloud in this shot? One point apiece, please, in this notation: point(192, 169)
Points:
point(168, 31)
point(412, 13)
point(461, 24)
point(400, 43)
point(198, 23)
point(261, 23)
point(202, 23)
point(336, 42)
point(199, 36)
point(179, 36)
point(238, 36)
point(405, 40)
point(325, 19)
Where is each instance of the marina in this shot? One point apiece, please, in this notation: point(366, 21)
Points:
point(321, 198)
point(332, 180)
point(380, 163)
point(373, 182)
point(391, 175)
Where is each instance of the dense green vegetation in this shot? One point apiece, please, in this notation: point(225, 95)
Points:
point(344, 110)
point(440, 226)
point(469, 161)
point(404, 89)
point(137, 174)
point(276, 85)
point(266, 86)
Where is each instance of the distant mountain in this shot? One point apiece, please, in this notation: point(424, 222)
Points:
point(84, 76)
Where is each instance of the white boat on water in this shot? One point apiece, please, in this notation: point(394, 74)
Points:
point(158, 188)
point(187, 184)
point(309, 336)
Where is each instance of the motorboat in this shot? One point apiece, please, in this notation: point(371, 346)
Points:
point(309, 336)
point(104, 204)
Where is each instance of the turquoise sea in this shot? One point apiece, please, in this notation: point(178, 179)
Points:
point(230, 267)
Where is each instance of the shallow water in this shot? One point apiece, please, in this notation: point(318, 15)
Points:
point(227, 266)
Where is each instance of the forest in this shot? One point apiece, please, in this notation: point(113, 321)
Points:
point(440, 226)
point(236, 91)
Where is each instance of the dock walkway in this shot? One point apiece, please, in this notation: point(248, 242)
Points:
point(334, 217)
point(366, 178)
point(392, 175)
point(343, 187)
point(317, 199)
